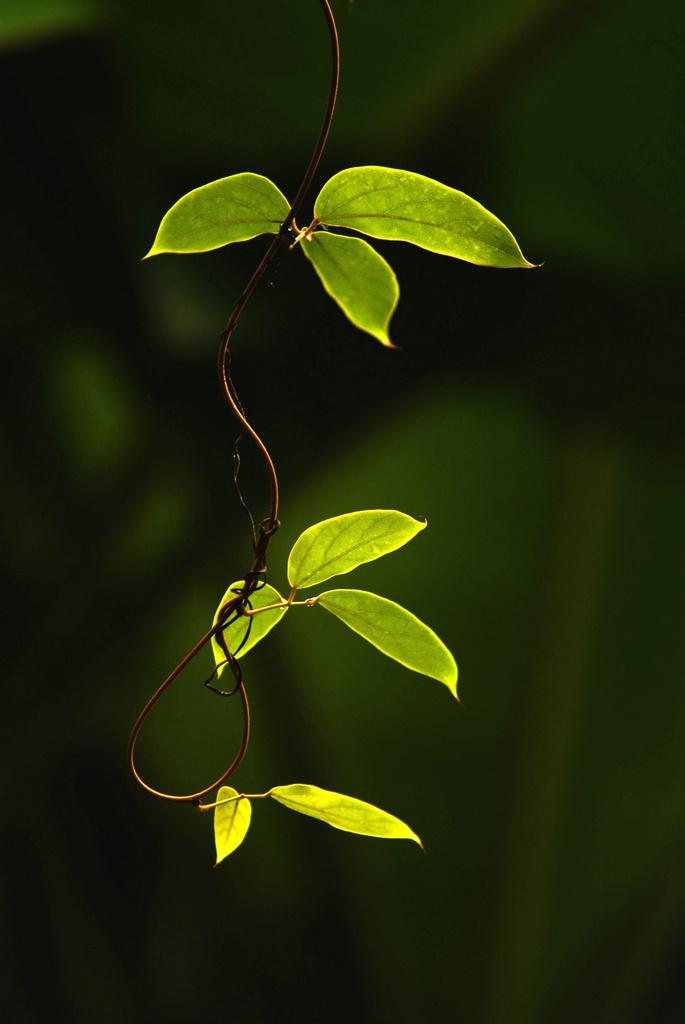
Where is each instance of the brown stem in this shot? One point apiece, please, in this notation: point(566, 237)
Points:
point(281, 240)
point(327, 118)
point(192, 797)
point(269, 527)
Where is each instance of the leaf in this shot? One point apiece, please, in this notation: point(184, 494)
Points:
point(338, 545)
point(231, 822)
point(407, 207)
point(394, 631)
point(343, 812)
point(358, 278)
point(236, 631)
point(229, 210)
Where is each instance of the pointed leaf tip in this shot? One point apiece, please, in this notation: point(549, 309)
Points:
point(357, 278)
point(395, 632)
point(231, 209)
point(340, 544)
point(384, 202)
point(343, 812)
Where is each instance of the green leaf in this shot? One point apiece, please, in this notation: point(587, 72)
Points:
point(229, 210)
point(394, 631)
point(236, 631)
point(343, 812)
point(231, 822)
point(358, 278)
point(406, 207)
point(339, 545)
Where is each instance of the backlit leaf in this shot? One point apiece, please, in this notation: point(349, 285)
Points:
point(407, 207)
point(338, 545)
point(231, 822)
point(343, 812)
point(394, 631)
point(358, 278)
point(229, 210)
point(236, 631)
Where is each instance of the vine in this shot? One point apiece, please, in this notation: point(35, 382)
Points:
point(378, 202)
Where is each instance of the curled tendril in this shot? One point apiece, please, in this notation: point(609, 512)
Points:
point(255, 578)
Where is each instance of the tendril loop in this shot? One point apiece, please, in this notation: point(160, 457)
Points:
point(255, 578)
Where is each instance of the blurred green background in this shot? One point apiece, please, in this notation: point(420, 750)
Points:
point(535, 419)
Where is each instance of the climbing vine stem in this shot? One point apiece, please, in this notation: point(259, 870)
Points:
point(256, 577)
point(281, 241)
point(378, 202)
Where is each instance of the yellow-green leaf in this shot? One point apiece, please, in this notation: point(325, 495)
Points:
point(394, 631)
point(231, 822)
point(358, 278)
point(229, 210)
point(236, 632)
point(407, 207)
point(343, 812)
point(338, 545)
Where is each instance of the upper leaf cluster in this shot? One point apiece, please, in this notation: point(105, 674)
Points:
point(380, 202)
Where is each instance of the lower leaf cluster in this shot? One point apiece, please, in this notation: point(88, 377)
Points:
point(233, 814)
point(331, 548)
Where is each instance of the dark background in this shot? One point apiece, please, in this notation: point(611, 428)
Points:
point(535, 418)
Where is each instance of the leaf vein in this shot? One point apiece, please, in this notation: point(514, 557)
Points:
point(347, 551)
point(360, 294)
point(315, 812)
point(379, 629)
point(430, 224)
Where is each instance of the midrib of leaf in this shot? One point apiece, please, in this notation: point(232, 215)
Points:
point(326, 219)
point(387, 188)
point(347, 551)
point(216, 224)
point(379, 629)
point(408, 202)
point(350, 282)
point(231, 812)
point(430, 224)
point(315, 812)
point(225, 223)
point(260, 216)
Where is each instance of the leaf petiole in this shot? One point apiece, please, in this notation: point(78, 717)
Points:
point(282, 606)
point(233, 799)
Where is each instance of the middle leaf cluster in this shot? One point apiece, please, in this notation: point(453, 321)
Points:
point(332, 548)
